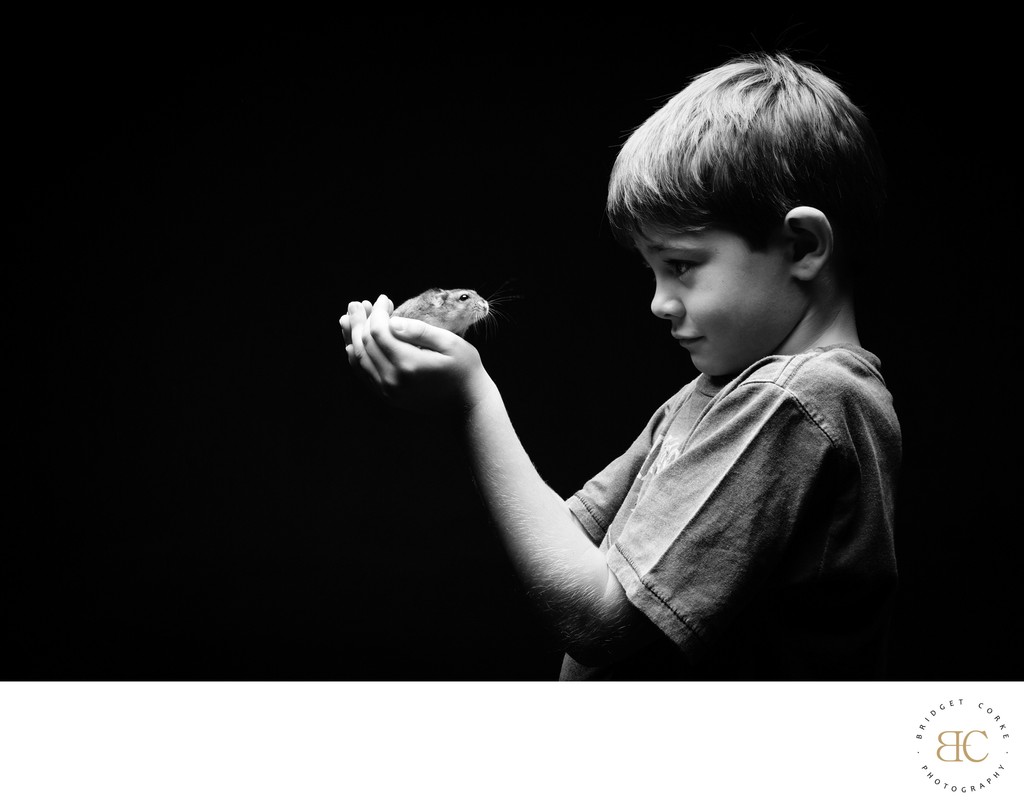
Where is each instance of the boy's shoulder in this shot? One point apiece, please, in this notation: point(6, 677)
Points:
point(841, 369)
point(838, 387)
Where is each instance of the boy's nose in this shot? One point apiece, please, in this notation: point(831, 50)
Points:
point(666, 306)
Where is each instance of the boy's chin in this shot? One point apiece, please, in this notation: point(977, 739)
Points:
point(709, 367)
point(703, 364)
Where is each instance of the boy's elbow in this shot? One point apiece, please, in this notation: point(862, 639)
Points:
point(614, 632)
point(591, 653)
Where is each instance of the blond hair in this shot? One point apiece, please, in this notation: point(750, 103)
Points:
point(742, 145)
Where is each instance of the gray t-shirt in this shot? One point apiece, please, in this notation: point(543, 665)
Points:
point(752, 522)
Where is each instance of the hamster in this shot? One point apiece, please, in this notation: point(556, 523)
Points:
point(452, 309)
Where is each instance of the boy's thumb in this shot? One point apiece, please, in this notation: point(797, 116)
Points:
point(420, 333)
point(405, 326)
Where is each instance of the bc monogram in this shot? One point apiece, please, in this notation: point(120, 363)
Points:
point(961, 746)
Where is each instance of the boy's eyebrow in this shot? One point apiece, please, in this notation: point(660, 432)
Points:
point(661, 246)
point(691, 238)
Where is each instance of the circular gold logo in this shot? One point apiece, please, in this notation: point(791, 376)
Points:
point(963, 746)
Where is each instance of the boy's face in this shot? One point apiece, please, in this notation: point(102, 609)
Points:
point(728, 305)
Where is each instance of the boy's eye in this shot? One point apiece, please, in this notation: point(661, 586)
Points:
point(680, 268)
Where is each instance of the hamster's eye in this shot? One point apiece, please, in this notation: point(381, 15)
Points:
point(463, 297)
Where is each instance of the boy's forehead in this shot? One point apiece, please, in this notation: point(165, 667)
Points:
point(656, 240)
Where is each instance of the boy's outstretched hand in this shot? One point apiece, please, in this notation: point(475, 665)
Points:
point(412, 364)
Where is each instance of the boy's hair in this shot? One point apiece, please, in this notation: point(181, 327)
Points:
point(741, 146)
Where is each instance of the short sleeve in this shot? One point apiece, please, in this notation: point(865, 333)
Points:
point(711, 523)
point(596, 504)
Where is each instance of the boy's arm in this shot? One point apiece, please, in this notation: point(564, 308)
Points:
point(562, 569)
point(567, 575)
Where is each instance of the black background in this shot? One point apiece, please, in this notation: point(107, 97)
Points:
point(201, 490)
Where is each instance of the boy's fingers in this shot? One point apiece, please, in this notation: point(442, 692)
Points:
point(357, 326)
point(375, 354)
point(367, 360)
point(355, 331)
point(371, 374)
point(346, 329)
point(379, 329)
point(377, 342)
point(365, 370)
point(356, 312)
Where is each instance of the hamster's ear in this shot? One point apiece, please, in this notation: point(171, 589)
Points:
point(444, 296)
point(810, 234)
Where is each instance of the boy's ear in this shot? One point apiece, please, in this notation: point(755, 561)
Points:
point(810, 235)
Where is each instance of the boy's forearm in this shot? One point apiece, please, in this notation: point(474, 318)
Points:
point(557, 561)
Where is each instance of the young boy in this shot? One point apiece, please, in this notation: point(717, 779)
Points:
point(748, 531)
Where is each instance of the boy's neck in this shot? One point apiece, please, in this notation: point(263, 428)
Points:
point(823, 326)
point(842, 329)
